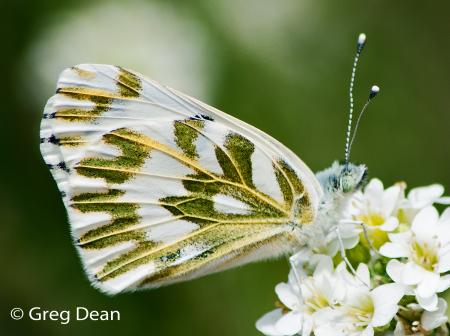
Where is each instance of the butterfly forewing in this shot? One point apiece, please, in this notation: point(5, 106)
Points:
point(160, 187)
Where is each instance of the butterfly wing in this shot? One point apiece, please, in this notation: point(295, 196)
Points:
point(160, 187)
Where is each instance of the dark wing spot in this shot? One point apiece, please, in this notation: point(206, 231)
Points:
point(63, 166)
point(49, 115)
point(54, 140)
point(201, 117)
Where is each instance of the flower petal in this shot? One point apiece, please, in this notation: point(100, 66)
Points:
point(308, 324)
point(324, 267)
point(443, 232)
point(444, 283)
point(429, 284)
point(443, 200)
point(357, 296)
point(389, 225)
point(374, 192)
point(385, 299)
point(332, 248)
point(400, 238)
point(424, 196)
point(327, 330)
point(394, 269)
point(394, 250)
point(266, 324)
point(444, 261)
point(390, 199)
point(388, 294)
point(412, 274)
point(432, 320)
point(429, 303)
point(362, 272)
point(425, 223)
point(287, 295)
point(350, 242)
point(290, 323)
point(326, 321)
point(445, 215)
point(348, 229)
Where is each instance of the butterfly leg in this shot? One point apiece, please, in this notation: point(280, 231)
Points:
point(344, 256)
point(342, 250)
point(293, 261)
point(365, 232)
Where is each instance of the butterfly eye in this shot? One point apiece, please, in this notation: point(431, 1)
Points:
point(363, 180)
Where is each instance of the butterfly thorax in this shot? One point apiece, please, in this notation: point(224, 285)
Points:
point(339, 183)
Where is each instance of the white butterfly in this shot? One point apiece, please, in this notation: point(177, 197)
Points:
point(161, 188)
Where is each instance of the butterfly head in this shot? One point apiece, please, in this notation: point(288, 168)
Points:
point(343, 178)
point(352, 177)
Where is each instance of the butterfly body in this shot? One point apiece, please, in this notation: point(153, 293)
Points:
point(161, 188)
point(339, 183)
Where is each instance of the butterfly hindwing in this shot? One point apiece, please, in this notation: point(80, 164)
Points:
point(160, 187)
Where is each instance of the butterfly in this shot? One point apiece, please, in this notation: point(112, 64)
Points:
point(160, 187)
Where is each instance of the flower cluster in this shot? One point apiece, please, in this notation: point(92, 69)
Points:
point(400, 247)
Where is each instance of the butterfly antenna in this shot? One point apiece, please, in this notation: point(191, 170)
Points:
point(359, 48)
point(373, 92)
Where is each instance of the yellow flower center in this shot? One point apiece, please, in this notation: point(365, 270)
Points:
point(425, 254)
point(316, 300)
point(377, 237)
point(363, 313)
point(372, 219)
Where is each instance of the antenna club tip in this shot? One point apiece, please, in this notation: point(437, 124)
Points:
point(361, 41)
point(361, 38)
point(374, 91)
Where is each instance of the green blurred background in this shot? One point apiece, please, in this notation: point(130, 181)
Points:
point(282, 66)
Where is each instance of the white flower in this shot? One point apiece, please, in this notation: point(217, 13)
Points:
point(331, 303)
point(363, 308)
point(302, 301)
point(424, 196)
point(377, 209)
point(421, 197)
point(426, 248)
point(424, 321)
